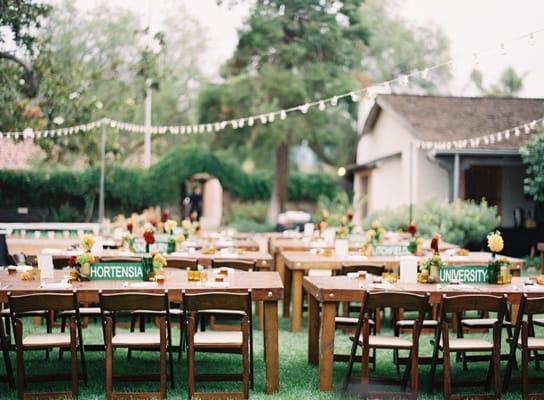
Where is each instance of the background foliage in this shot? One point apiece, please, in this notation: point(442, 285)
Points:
point(533, 158)
point(463, 223)
point(72, 195)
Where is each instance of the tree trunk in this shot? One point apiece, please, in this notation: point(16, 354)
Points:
point(278, 197)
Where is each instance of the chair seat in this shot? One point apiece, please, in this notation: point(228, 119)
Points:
point(387, 342)
point(482, 322)
point(350, 321)
point(47, 339)
point(136, 339)
point(468, 344)
point(218, 338)
point(408, 323)
point(173, 311)
point(6, 313)
point(534, 343)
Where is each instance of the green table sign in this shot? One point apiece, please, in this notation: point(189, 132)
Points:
point(111, 271)
point(464, 273)
point(387, 250)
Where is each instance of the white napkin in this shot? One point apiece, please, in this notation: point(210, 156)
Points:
point(56, 285)
point(23, 268)
point(217, 284)
point(144, 285)
point(534, 288)
point(51, 251)
point(382, 286)
point(179, 254)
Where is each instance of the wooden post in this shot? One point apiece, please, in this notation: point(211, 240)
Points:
point(271, 346)
point(296, 317)
point(326, 354)
point(313, 330)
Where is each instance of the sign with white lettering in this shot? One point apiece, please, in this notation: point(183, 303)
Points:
point(464, 273)
point(387, 250)
point(109, 271)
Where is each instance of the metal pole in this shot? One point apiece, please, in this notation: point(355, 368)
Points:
point(456, 172)
point(410, 184)
point(147, 138)
point(102, 171)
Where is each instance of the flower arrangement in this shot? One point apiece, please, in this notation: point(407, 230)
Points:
point(87, 242)
point(128, 241)
point(430, 267)
point(495, 266)
point(346, 225)
point(159, 261)
point(190, 227)
point(170, 225)
point(149, 238)
point(374, 237)
point(416, 243)
point(82, 263)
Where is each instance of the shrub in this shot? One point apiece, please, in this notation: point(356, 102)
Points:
point(532, 155)
point(463, 223)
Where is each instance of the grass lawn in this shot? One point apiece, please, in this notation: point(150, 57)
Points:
point(298, 380)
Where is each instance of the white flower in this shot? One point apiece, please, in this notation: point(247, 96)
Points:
point(58, 120)
point(99, 105)
point(73, 95)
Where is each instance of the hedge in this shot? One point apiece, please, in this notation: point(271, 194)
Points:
point(65, 193)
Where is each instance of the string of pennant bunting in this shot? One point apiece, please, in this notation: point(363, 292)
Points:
point(321, 104)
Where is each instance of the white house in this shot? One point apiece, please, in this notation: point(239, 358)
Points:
point(391, 171)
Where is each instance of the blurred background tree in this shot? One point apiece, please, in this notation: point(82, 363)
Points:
point(509, 84)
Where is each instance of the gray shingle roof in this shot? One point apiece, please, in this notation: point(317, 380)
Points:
point(442, 118)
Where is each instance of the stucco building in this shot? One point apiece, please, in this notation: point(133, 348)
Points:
point(391, 171)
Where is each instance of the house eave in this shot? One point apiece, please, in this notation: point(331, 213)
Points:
point(480, 152)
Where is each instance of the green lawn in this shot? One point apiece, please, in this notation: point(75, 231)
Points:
point(298, 380)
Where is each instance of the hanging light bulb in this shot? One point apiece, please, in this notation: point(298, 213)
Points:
point(452, 67)
point(387, 86)
point(334, 101)
point(234, 124)
point(189, 130)
point(263, 119)
point(304, 108)
point(424, 73)
point(321, 106)
point(404, 80)
point(241, 122)
point(354, 96)
point(283, 114)
point(503, 49)
point(476, 58)
point(271, 117)
point(517, 132)
point(250, 121)
point(507, 134)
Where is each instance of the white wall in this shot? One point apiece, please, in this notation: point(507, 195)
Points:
point(431, 180)
point(512, 194)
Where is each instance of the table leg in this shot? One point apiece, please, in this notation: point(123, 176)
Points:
point(296, 318)
point(326, 354)
point(313, 330)
point(287, 289)
point(279, 265)
point(271, 346)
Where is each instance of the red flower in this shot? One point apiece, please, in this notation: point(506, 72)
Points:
point(435, 243)
point(149, 237)
point(350, 215)
point(165, 215)
point(412, 229)
point(153, 221)
point(130, 227)
point(72, 261)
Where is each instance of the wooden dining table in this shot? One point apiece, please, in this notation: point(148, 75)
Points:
point(298, 263)
point(266, 287)
point(325, 292)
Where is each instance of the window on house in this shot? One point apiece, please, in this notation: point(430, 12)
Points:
point(484, 182)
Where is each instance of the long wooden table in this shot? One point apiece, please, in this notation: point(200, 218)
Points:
point(297, 263)
point(328, 291)
point(265, 286)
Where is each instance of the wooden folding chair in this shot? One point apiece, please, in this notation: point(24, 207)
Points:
point(19, 307)
point(113, 303)
point(525, 340)
point(218, 341)
point(442, 342)
point(363, 338)
point(5, 344)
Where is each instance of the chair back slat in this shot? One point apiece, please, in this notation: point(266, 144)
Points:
point(115, 302)
point(183, 263)
point(407, 301)
point(42, 301)
point(374, 269)
point(242, 265)
point(532, 305)
point(471, 302)
point(217, 300)
point(60, 262)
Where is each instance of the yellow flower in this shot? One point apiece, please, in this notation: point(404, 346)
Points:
point(87, 242)
point(186, 224)
point(91, 259)
point(370, 233)
point(344, 220)
point(324, 214)
point(180, 239)
point(170, 225)
point(159, 259)
point(495, 242)
point(376, 224)
point(322, 225)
